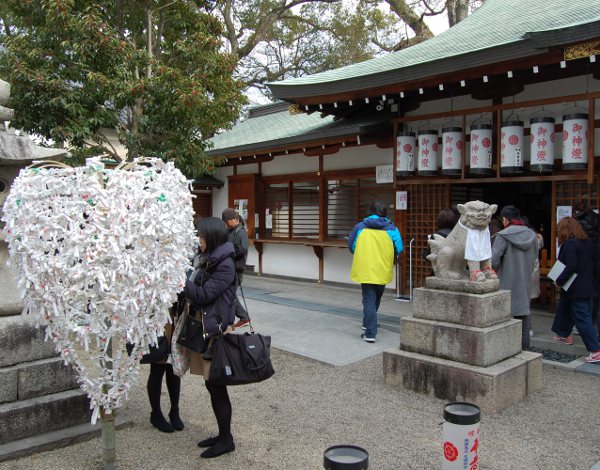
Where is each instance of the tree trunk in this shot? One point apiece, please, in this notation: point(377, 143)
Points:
point(412, 19)
point(458, 10)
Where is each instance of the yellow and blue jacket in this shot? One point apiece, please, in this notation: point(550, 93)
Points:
point(375, 243)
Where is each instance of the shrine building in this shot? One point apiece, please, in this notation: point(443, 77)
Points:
point(502, 107)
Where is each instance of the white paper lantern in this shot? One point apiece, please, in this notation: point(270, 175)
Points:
point(481, 149)
point(100, 256)
point(452, 149)
point(575, 141)
point(406, 147)
point(428, 153)
point(542, 144)
point(461, 436)
point(511, 147)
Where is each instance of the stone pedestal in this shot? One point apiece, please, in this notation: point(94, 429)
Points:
point(41, 405)
point(460, 346)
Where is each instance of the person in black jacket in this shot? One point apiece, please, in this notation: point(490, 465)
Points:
point(239, 237)
point(211, 289)
point(446, 220)
point(590, 222)
point(575, 304)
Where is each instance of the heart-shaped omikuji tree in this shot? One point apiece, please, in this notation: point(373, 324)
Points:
point(100, 256)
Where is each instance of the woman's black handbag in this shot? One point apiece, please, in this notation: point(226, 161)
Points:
point(241, 359)
point(158, 353)
point(192, 334)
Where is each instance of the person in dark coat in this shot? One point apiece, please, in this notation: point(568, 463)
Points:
point(211, 289)
point(590, 222)
point(575, 304)
point(154, 387)
point(239, 237)
point(446, 220)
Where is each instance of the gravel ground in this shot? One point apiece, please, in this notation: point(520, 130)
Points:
point(288, 421)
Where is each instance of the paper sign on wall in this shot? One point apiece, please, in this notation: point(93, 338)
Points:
point(401, 200)
point(562, 212)
point(384, 174)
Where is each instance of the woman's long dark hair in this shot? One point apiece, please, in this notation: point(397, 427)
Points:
point(214, 231)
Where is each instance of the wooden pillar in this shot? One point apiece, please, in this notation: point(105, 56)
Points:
point(319, 254)
point(591, 132)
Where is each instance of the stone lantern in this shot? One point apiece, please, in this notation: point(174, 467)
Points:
point(16, 152)
point(41, 406)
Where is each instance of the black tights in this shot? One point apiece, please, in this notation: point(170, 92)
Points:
point(155, 385)
point(219, 398)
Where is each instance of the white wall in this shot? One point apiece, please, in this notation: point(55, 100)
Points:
point(247, 169)
point(337, 264)
point(289, 164)
point(290, 260)
point(446, 104)
point(220, 197)
point(358, 157)
point(554, 88)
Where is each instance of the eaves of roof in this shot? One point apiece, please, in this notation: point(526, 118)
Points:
point(281, 129)
point(207, 181)
point(499, 31)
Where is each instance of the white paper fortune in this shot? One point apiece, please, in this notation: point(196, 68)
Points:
point(101, 255)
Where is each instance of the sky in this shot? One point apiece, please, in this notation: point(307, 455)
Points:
point(438, 24)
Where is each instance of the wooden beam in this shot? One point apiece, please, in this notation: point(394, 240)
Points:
point(580, 175)
point(591, 139)
point(320, 151)
point(502, 107)
point(319, 254)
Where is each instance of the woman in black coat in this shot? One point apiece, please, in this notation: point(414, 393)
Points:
point(575, 305)
point(211, 289)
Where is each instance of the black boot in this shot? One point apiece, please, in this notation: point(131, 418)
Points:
point(176, 420)
point(209, 442)
point(158, 421)
point(220, 448)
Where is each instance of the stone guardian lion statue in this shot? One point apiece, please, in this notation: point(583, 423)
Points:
point(468, 239)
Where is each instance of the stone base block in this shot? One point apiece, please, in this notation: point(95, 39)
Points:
point(491, 388)
point(462, 285)
point(9, 377)
point(475, 346)
point(478, 310)
point(45, 377)
point(55, 439)
point(27, 418)
point(21, 341)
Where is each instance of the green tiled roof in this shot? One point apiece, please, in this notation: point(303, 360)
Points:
point(499, 30)
point(272, 126)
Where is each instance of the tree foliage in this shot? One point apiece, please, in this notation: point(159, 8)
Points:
point(277, 39)
point(152, 70)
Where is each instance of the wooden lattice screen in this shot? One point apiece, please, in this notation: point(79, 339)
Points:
point(305, 209)
point(425, 201)
point(277, 202)
point(349, 200)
